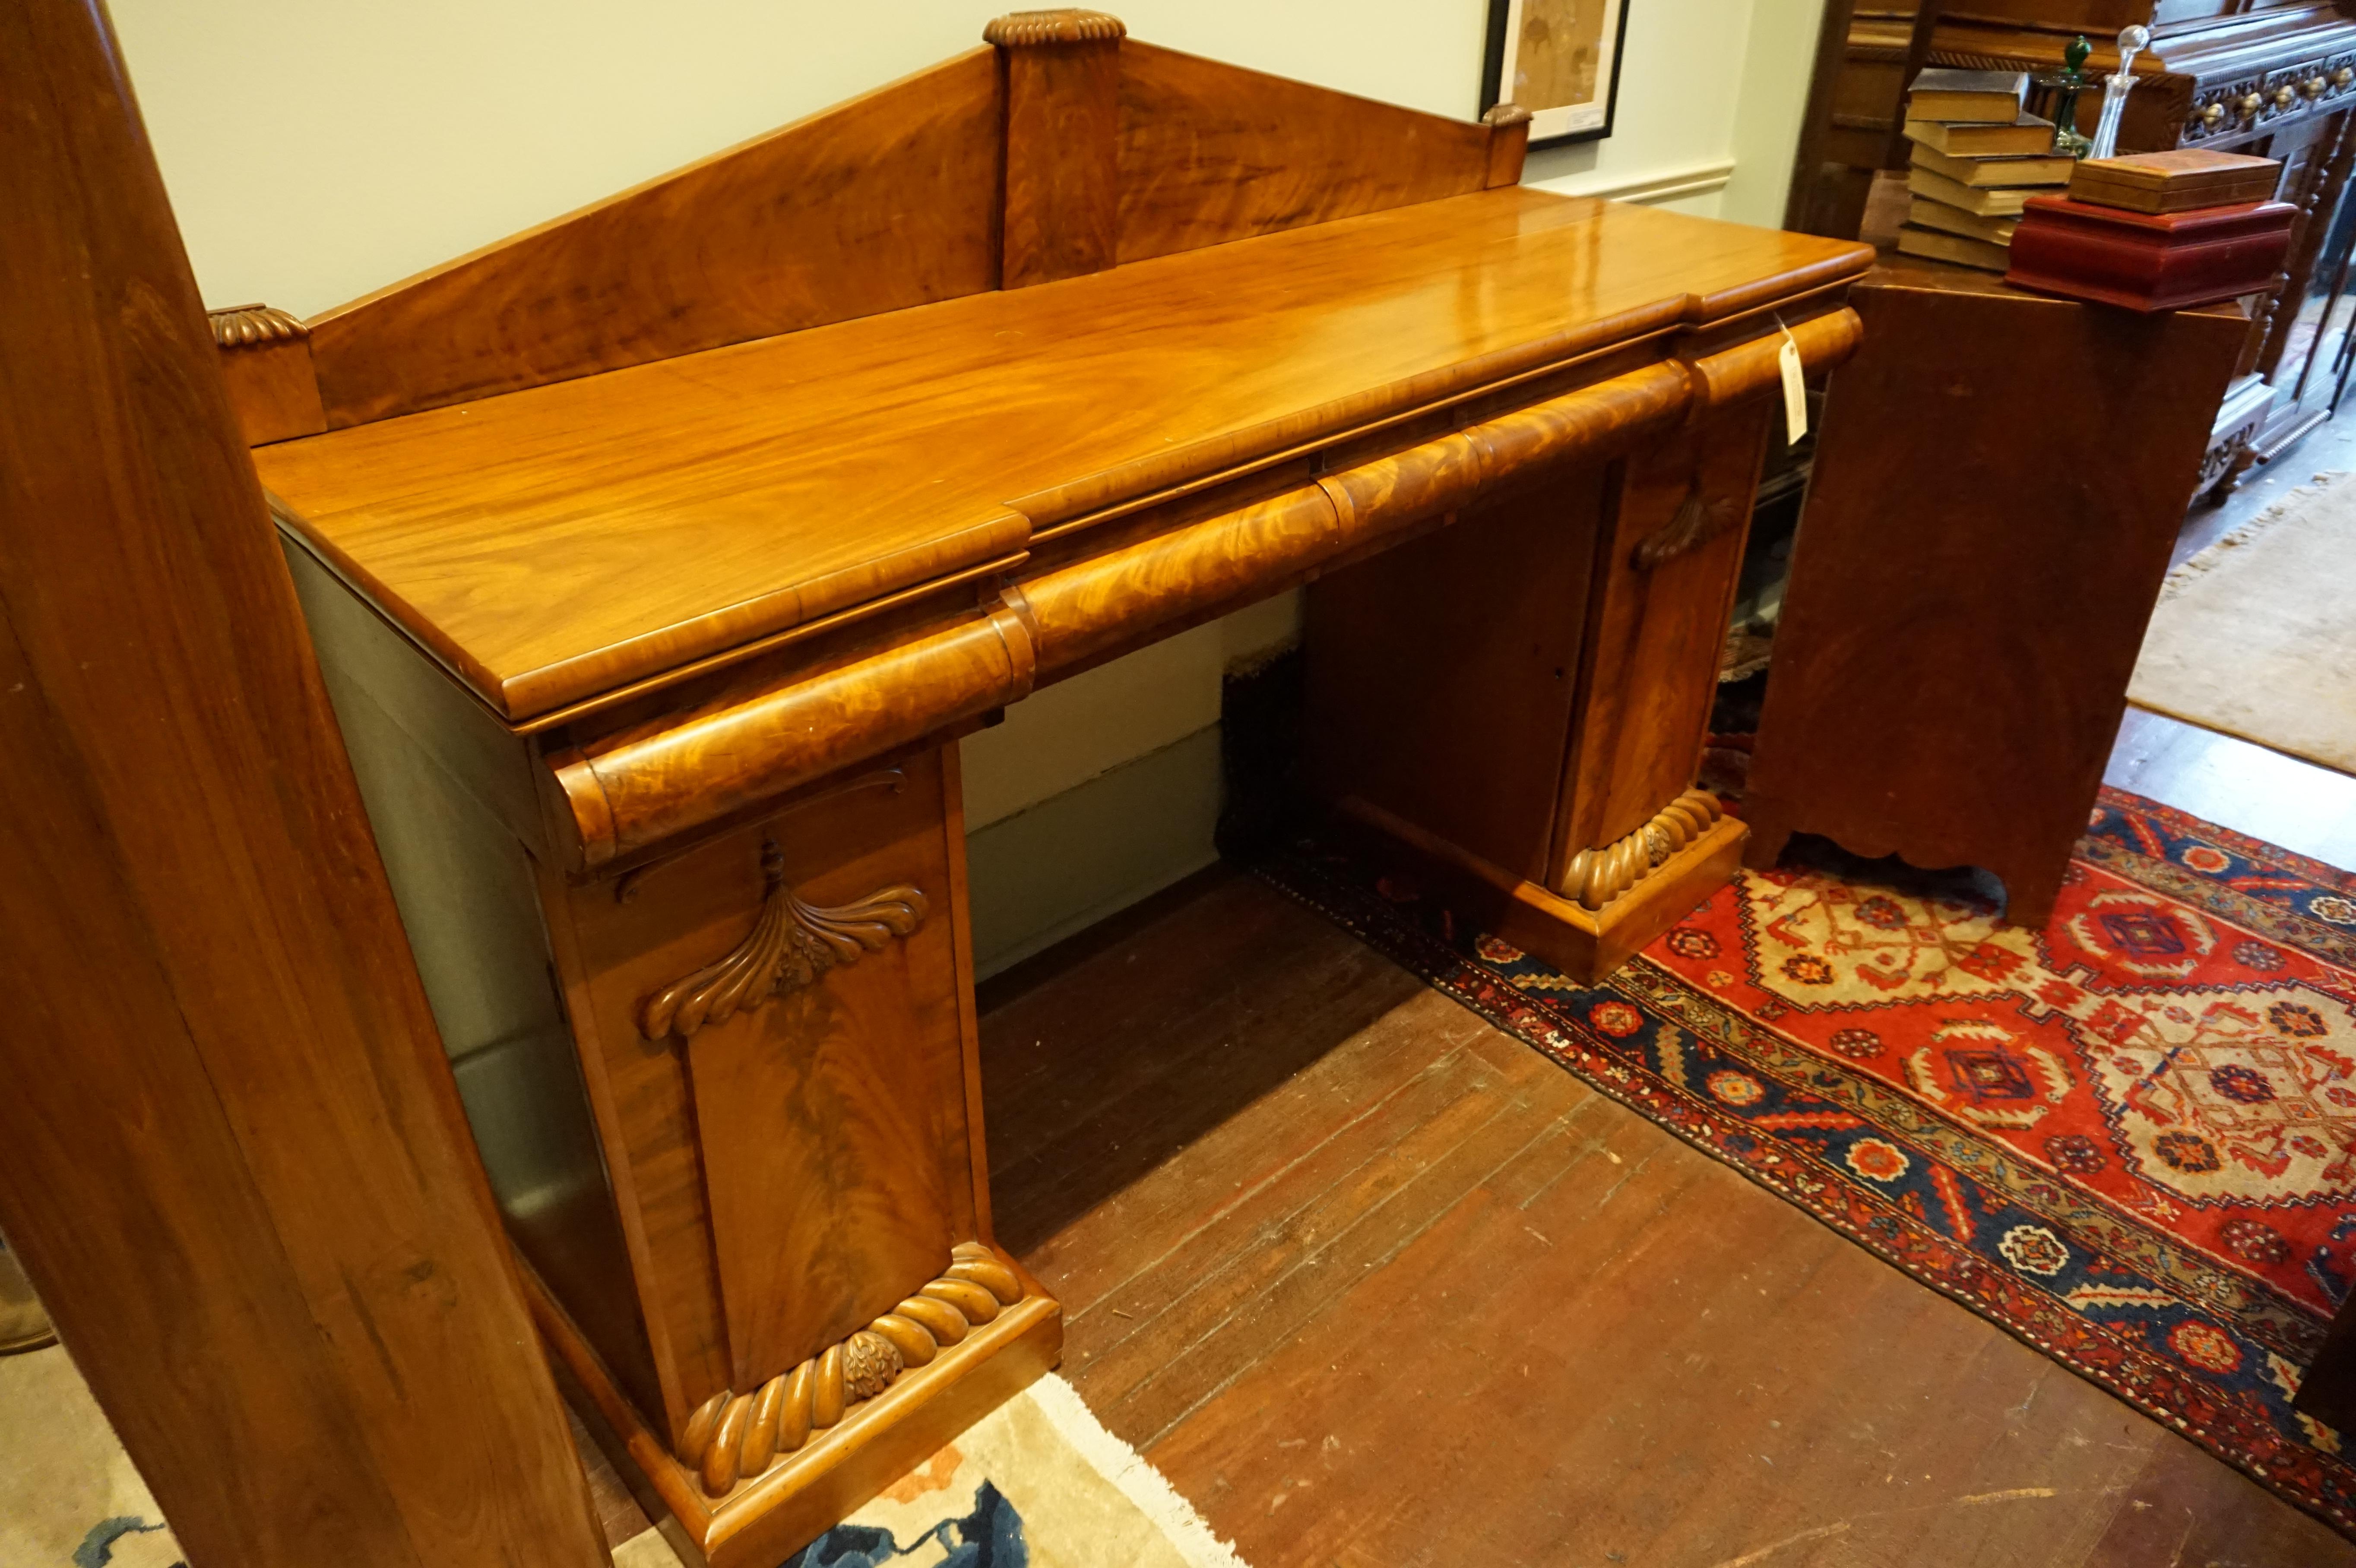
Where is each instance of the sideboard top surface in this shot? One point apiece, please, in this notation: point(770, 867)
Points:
point(552, 544)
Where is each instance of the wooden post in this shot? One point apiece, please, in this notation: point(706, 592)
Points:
point(231, 1156)
point(1063, 156)
point(1509, 143)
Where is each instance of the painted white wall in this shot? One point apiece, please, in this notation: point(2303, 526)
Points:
point(314, 152)
point(1680, 80)
point(1075, 730)
point(1779, 53)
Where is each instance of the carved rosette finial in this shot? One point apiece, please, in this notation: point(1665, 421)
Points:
point(869, 1364)
point(790, 945)
point(1025, 28)
point(1596, 876)
point(735, 1437)
point(250, 325)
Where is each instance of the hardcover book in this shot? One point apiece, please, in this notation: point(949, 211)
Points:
point(1998, 202)
point(1929, 214)
point(1942, 246)
point(1973, 97)
point(2025, 136)
point(2051, 169)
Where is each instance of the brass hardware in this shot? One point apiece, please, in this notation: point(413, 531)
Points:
point(2213, 115)
point(2249, 106)
point(2284, 95)
point(2343, 76)
point(2313, 86)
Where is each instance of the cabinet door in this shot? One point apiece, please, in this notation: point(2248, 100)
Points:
point(1664, 585)
point(777, 1014)
point(2308, 153)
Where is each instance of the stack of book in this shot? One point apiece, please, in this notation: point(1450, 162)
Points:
point(1977, 160)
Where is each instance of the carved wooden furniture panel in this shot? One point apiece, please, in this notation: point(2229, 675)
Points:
point(654, 662)
point(1188, 125)
point(776, 1018)
point(1666, 580)
point(783, 232)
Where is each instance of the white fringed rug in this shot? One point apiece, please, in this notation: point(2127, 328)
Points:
point(68, 1494)
point(1038, 1483)
point(2256, 636)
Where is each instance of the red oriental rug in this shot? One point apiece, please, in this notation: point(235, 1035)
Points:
point(2129, 1140)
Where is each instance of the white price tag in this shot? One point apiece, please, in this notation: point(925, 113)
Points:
point(1796, 389)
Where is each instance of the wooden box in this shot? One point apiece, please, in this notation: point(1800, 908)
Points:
point(2149, 261)
point(2181, 181)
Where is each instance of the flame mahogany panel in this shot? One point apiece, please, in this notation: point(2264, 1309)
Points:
point(882, 203)
point(1211, 153)
point(801, 1164)
point(1663, 592)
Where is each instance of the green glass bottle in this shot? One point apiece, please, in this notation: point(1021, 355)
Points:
point(2066, 85)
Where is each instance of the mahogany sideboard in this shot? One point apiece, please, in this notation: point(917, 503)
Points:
point(2274, 79)
point(657, 558)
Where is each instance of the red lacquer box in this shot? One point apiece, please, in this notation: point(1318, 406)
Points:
point(2146, 261)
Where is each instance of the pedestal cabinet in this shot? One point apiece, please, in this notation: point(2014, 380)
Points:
point(1949, 674)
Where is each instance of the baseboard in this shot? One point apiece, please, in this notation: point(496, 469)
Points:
point(1050, 872)
point(1651, 188)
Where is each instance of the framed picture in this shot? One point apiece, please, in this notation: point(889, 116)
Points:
point(1561, 60)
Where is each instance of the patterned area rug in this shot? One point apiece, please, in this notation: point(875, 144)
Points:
point(69, 1496)
point(2128, 1139)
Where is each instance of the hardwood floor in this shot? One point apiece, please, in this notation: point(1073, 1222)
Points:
point(1375, 1283)
point(2306, 809)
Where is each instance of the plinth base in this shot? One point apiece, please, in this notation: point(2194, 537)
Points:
point(1584, 944)
point(762, 1521)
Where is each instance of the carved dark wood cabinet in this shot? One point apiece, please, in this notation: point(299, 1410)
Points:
point(2272, 79)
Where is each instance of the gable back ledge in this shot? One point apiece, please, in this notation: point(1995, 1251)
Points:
point(1062, 148)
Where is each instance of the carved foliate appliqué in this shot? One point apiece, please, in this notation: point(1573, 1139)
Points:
point(790, 946)
point(1699, 519)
